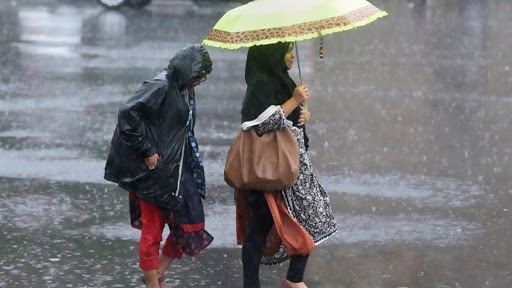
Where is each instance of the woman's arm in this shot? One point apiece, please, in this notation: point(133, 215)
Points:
point(300, 95)
point(276, 121)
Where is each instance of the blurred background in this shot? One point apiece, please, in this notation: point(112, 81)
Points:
point(410, 135)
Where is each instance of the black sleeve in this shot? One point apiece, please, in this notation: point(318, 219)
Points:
point(133, 115)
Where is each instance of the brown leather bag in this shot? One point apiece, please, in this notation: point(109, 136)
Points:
point(268, 162)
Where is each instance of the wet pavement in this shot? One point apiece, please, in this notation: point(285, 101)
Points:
point(411, 136)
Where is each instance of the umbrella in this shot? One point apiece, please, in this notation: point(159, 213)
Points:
point(263, 22)
point(269, 21)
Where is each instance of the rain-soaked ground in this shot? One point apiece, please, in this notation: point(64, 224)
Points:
point(411, 136)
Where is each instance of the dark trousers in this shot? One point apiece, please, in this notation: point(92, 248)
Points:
point(259, 226)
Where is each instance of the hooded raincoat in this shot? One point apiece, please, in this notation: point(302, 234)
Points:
point(154, 121)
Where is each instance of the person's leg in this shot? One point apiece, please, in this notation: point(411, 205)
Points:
point(165, 262)
point(260, 224)
point(151, 279)
point(149, 244)
point(296, 270)
point(297, 267)
point(169, 253)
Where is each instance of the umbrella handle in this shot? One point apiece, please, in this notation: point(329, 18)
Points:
point(305, 105)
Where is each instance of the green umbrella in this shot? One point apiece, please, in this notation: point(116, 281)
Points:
point(263, 22)
point(269, 21)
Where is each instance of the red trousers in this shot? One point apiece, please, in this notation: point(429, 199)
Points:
point(153, 225)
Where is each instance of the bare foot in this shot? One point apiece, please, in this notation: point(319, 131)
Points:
point(296, 285)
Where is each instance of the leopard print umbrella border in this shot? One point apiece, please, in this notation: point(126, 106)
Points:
point(297, 30)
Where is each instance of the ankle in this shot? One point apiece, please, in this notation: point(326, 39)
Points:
point(153, 285)
point(153, 279)
point(290, 284)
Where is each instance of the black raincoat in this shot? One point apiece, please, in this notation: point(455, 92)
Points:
point(154, 121)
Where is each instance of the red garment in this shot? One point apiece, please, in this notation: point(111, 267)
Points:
point(286, 230)
point(188, 239)
point(151, 236)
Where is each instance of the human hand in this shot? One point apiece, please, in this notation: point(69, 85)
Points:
point(152, 161)
point(304, 116)
point(301, 93)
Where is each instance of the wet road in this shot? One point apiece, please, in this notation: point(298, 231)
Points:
point(411, 136)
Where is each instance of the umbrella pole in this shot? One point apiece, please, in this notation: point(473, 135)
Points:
point(305, 104)
point(298, 61)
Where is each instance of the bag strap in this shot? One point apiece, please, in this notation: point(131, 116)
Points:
point(262, 117)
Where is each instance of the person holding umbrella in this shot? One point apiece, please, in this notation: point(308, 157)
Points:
point(154, 155)
point(276, 225)
point(296, 218)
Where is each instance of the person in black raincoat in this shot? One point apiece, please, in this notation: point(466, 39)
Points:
point(154, 155)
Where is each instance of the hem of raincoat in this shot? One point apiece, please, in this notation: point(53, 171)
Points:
point(110, 177)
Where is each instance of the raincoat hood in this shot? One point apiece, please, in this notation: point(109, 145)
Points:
point(191, 62)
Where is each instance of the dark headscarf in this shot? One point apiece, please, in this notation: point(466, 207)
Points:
point(268, 81)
